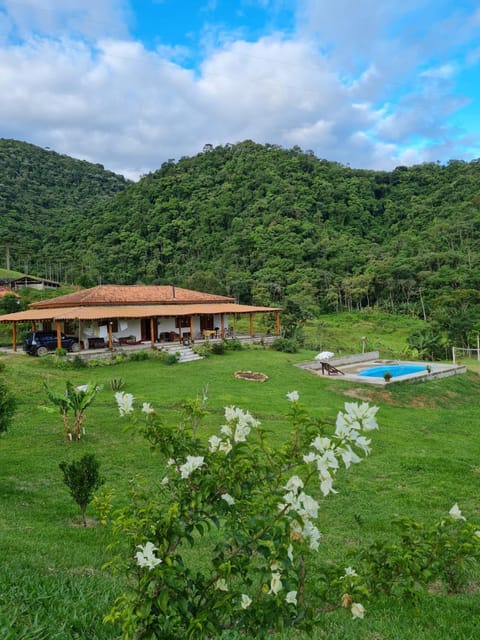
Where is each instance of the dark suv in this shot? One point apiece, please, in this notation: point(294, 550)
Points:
point(39, 343)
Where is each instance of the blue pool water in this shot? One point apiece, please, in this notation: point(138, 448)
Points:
point(395, 369)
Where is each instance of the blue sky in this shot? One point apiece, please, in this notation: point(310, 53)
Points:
point(132, 83)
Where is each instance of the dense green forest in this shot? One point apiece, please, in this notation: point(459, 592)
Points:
point(262, 223)
point(45, 198)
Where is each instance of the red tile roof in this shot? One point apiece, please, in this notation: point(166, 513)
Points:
point(132, 311)
point(103, 295)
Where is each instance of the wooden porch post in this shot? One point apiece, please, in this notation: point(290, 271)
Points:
point(152, 332)
point(251, 324)
point(191, 329)
point(110, 335)
point(277, 322)
point(14, 336)
point(222, 326)
point(34, 328)
point(59, 335)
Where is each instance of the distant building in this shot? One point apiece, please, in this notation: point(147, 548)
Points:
point(31, 282)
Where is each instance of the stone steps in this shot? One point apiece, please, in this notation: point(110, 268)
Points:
point(183, 352)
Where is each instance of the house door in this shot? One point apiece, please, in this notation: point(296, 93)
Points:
point(206, 323)
point(145, 329)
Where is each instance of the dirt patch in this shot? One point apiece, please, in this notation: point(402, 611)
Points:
point(254, 376)
point(383, 396)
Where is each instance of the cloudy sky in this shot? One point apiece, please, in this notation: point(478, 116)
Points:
point(132, 83)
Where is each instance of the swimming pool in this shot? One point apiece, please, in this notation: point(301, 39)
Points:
point(395, 369)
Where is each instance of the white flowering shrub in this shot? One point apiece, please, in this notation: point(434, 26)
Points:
point(221, 542)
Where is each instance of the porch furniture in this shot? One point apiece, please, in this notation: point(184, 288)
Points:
point(330, 369)
point(97, 343)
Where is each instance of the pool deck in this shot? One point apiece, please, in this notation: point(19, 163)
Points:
point(350, 366)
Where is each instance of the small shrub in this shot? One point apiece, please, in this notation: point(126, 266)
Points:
point(78, 362)
point(8, 406)
point(233, 345)
point(139, 356)
point(117, 384)
point(286, 345)
point(82, 477)
point(218, 348)
point(61, 352)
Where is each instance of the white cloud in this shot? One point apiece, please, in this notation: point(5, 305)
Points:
point(359, 91)
point(60, 18)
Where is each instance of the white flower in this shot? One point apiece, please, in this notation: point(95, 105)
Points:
point(146, 556)
point(349, 571)
point(363, 413)
point(363, 443)
point(241, 432)
point(214, 442)
point(311, 532)
point(192, 463)
point(228, 499)
point(221, 585)
point(246, 601)
point(326, 483)
point(225, 446)
point(358, 610)
point(290, 552)
point(124, 402)
point(321, 444)
point(348, 456)
point(164, 480)
point(294, 483)
point(455, 512)
point(226, 430)
point(293, 396)
point(309, 506)
point(147, 408)
point(276, 583)
point(291, 597)
point(476, 533)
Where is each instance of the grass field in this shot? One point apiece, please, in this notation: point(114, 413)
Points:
point(426, 457)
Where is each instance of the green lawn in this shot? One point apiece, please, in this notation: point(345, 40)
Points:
point(426, 457)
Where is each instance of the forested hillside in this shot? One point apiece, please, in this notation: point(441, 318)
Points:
point(45, 201)
point(265, 224)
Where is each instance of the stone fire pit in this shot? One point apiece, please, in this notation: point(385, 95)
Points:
point(251, 375)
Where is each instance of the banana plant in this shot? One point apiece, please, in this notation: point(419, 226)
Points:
point(72, 405)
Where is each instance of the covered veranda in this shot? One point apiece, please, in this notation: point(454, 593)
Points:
point(184, 316)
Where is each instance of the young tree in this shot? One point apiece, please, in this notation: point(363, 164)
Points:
point(7, 407)
point(74, 400)
point(82, 477)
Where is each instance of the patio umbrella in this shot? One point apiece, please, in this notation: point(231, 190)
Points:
point(324, 355)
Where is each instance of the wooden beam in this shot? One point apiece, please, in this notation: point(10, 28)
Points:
point(58, 327)
point(152, 332)
point(110, 335)
point(222, 326)
point(14, 336)
point(191, 329)
point(277, 323)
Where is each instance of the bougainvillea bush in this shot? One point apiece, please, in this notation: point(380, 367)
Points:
point(225, 540)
